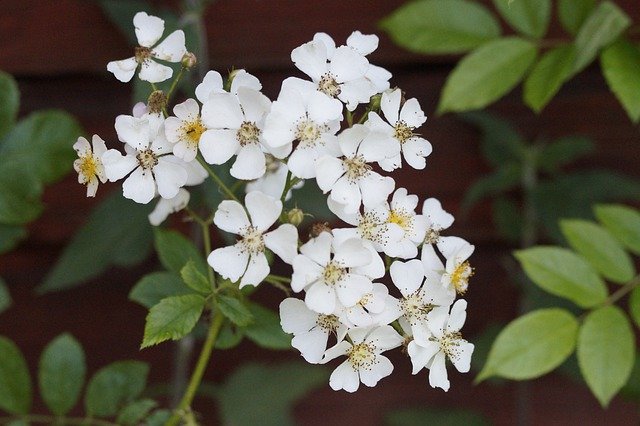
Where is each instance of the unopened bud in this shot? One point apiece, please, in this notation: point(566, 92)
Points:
point(318, 228)
point(189, 60)
point(157, 102)
point(374, 102)
point(295, 216)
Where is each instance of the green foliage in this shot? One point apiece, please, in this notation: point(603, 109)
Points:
point(503, 179)
point(547, 76)
point(172, 318)
point(5, 296)
point(634, 305)
point(234, 310)
point(426, 416)
point(572, 13)
point(563, 273)
point(266, 331)
point(532, 345)
point(600, 249)
point(175, 251)
point(15, 382)
point(273, 391)
point(10, 235)
point(154, 287)
point(9, 103)
point(562, 152)
point(122, 239)
point(623, 222)
point(606, 351)
point(195, 279)
point(528, 17)
point(501, 141)
point(487, 74)
point(507, 218)
point(61, 374)
point(435, 26)
point(135, 412)
point(115, 386)
point(620, 63)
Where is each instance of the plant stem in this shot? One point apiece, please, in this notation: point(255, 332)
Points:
point(37, 418)
point(198, 372)
point(174, 84)
point(221, 185)
point(621, 292)
point(279, 278)
point(287, 186)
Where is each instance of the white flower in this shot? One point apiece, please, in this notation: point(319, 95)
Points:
point(437, 220)
point(364, 361)
point(456, 273)
point(154, 169)
point(212, 83)
point(446, 342)
point(165, 207)
point(307, 117)
point(235, 126)
point(246, 258)
point(326, 278)
point(310, 330)
point(401, 130)
point(350, 179)
point(185, 129)
point(402, 213)
point(89, 164)
point(368, 309)
point(274, 178)
point(149, 29)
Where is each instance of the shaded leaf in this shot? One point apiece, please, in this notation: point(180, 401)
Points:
point(114, 386)
point(10, 235)
point(572, 13)
point(9, 103)
point(158, 418)
point(634, 305)
point(436, 26)
point(429, 416)
point(15, 382)
point(564, 151)
point(266, 330)
point(529, 17)
point(194, 278)
point(154, 287)
point(172, 318)
point(5, 297)
point(229, 337)
point(175, 251)
point(501, 180)
point(234, 309)
point(620, 63)
point(507, 218)
point(20, 195)
point(135, 412)
point(501, 142)
point(623, 222)
point(547, 76)
point(532, 345)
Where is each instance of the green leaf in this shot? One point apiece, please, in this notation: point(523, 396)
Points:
point(229, 337)
point(601, 28)
point(273, 390)
point(606, 352)
point(564, 151)
point(114, 386)
point(266, 331)
point(15, 382)
point(11, 235)
point(529, 17)
point(573, 13)
point(486, 74)
point(503, 179)
point(547, 76)
point(600, 249)
point(9, 103)
point(154, 287)
point(233, 309)
point(20, 195)
point(507, 218)
point(135, 412)
point(195, 279)
point(175, 251)
point(623, 222)
point(61, 374)
point(430, 416)
point(532, 345)
point(158, 418)
point(561, 272)
point(5, 297)
point(172, 318)
point(620, 63)
point(106, 239)
point(634, 305)
point(501, 142)
point(436, 26)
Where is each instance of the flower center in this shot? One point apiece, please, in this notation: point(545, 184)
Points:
point(333, 273)
point(460, 277)
point(368, 227)
point(357, 168)
point(248, 133)
point(88, 167)
point(450, 344)
point(147, 159)
point(361, 355)
point(328, 322)
point(364, 300)
point(252, 240)
point(402, 132)
point(308, 133)
point(402, 218)
point(431, 236)
point(329, 86)
point(142, 54)
point(414, 308)
point(192, 131)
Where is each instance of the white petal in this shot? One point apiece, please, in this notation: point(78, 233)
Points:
point(116, 165)
point(218, 146)
point(352, 253)
point(124, 69)
point(321, 298)
point(241, 78)
point(412, 114)
point(295, 317)
point(254, 104)
point(457, 316)
point(283, 241)
point(222, 111)
point(154, 72)
point(311, 59)
point(339, 349)
point(302, 163)
point(384, 338)
point(421, 355)
point(170, 177)
point(379, 77)
point(358, 91)
point(305, 272)
point(231, 217)
point(172, 48)
point(375, 189)
point(344, 377)
point(187, 110)
point(462, 360)
point(352, 288)
point(230, 262)
point(328, 171)
point(133, 131)
point(415, 150)
point(318, 249)
point(250, 163)
point(311, 344)
point(363, 43)
point(455, 246)
point(347, 64)
point(211, 83)
point(438, 372)
point(390, 105)
point(263, 209)
point(339, 210)
point(438, 217)
point(257, 270)
point(165, 207)
point(347, 192)
point(375, 268)
point(381, 368)
point(430, 259)
point(139, 186)
point(407, 276)
point(322, 108)
point(148, 29)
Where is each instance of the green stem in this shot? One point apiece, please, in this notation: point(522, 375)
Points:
point(207, 249)
point(198, 372)
point(174, 84)
point(279, 285)
point(37, 418)
point(621, 292)
point(279, 278)
point(287, 186)
point(349, 118)
point(221, 185)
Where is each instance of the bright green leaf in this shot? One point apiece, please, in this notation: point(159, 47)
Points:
point(547, 76)
point(620, 63)
point(11, 235)
point(436, 26)
point(529, 17)
point(175, 251)
point(599, 248)
point(430, 416)
point(563, 273)
point(61, 374)
point(154, 287)
point(563, 152)
point(273, 390)
point(9, 103)
point(486, 74)
point(634, 305)
point(5, 296)
point(114, 386)
point(573, 13)
point(503, 179)
point(172, 318)
point(135, 412)
point(15, 382)
point(194, 278)
point(601, 28)
point(606, 351)
point(233, 309)
point(623, 222)
point(532, 345)
point(266, 330)
point(106, 239)
point(501, 142)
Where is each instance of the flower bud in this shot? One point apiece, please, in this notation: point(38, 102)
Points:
point(374, 102)
point(189, 60)
point(318, 228)
point(157, 102)
point(295, 216)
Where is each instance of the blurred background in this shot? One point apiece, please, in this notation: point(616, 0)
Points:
point(58, 52)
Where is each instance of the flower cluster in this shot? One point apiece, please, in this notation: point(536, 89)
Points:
point(343, 127)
